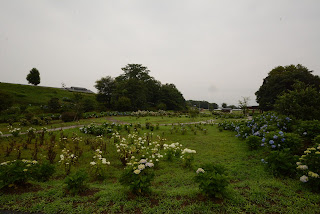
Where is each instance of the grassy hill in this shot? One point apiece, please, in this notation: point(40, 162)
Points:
point(37, 95)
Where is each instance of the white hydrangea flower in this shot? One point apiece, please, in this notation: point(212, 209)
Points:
point(150, 164)
point(141, 166)
point(200, 170)
point(137, 171)
point(93, 163)
point(304, 179)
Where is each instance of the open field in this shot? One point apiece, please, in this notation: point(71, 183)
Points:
point(251, 188)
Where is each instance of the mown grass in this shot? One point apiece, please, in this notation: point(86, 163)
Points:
point(252, 189)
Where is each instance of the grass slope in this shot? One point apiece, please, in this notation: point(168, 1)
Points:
point(37, 95)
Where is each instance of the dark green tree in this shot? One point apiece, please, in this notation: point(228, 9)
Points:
point(224, 105)
point(33, 77)
point(105, 87)
point(135, 90)
point(302, 102)
point(172, 98)
point(137, 85)
point(280, 80)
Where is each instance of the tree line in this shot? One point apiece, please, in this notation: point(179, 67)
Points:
point(135, 90)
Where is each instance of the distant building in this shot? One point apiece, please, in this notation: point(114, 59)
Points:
point(79, 89)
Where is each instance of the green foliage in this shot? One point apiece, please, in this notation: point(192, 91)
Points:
point(281, 79)
point(193, 112)
point(302, 102)
point(68, 116)
point(253, 142)
point(6, 101)
point(76, 182)
point(44, 171)
point(98, 168)
point(16, 172)
point(279, 140)
point(309, 167)
point(212, 180)
point(243, 104)
point(309, 129)
point(105, 87)
point(202, 104)
point(33, 77)
point(281, 163)
point(135, 89)
point(54, 104)
point(138, 177)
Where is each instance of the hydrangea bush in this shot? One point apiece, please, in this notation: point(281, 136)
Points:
point(67, 160)
point(308, 167)
point(99, 165)
point(138, 176)
point(187, 157)
point(212, 180)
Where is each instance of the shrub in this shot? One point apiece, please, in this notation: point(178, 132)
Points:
point(77, 182)
point(24, 122)
point(212, 180)
point(98, 166)
point(278, 140)
point(138, 177)
point(309, 167)
point(188, 157)
point(36, 121)
point(67, 159)
point(68, 116)
point(172, 150)
point(253, 142)
point(44, 171)
point(309, 129)
point(16, 172)
point(281, 163)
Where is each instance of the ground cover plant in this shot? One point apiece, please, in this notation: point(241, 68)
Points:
point(248, 187)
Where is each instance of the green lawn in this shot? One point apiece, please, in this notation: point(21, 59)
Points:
point(251, 188)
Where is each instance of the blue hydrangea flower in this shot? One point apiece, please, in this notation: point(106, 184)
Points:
point(262, 144)
point(263, 140)
point(304, 133)
point(281, 133)
point(275, 137)
point(271, 142)
point(273, 146)
point(283, 139)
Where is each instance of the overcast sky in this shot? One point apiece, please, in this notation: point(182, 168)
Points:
point(219, 51)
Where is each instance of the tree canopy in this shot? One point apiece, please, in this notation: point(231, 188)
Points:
point(282, 79)
point(33, 77)
point(135, 89)
point(302, 102)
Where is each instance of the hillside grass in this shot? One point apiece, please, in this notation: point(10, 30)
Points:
point(252, 189)
point(37, 95)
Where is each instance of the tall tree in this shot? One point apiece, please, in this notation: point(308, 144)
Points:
point(137, 85)
point(105, 87)
point(33, 77)
point(280, 80)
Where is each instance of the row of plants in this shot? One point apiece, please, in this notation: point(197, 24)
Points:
point(290, 147)
point(140, 154)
